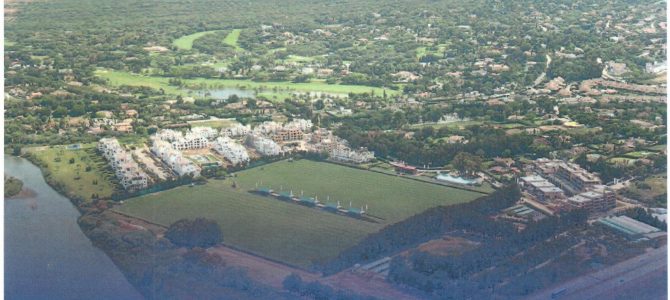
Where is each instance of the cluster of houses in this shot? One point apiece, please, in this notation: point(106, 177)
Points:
point(127, 171)
point(562, 186)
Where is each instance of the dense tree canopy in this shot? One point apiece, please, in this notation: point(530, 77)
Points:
point(199, 232)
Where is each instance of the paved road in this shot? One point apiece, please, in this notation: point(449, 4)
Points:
point(622, 276)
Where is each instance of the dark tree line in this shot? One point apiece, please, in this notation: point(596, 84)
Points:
point(489, 143)
point(644, 216)
point(199, 232)
point(471, 216)
point(510, 253)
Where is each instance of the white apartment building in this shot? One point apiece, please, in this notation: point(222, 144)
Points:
point(231, 150)
point(236, 130)
point(197, 138)
point(191, 141)
point(263, 145)
point(173, 158)
point(127, 171)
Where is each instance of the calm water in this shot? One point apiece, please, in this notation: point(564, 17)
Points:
point(46, 254)
point(226, 92)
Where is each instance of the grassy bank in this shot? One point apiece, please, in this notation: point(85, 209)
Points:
point(77, 173)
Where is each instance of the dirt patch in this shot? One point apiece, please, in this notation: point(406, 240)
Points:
point(131, 224)
point(365, 284)
point(143, 157)
point(203, 151)
point(273, 274)
point(260, 269)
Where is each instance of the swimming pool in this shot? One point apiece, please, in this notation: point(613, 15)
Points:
point(454, 179)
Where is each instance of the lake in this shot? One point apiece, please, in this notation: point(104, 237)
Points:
point(47, 256)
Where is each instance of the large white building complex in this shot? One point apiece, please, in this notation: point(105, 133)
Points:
point(173, 158)
point(232, 143)
point(236, 130)
point(198, 138)
point(263, 145)
point(231, 150)
point(127, 171)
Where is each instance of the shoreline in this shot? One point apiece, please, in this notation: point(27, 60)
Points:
point(130, 242)
point(49, 181)
point(133, 244)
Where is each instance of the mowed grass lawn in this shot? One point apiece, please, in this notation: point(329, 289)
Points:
point(74, 177)
point(118, 78)
point(290, 232)
point(231, 39)
point(215, 123)
point(186, 42)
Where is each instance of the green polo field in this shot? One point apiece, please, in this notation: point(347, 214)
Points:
point(289, 232)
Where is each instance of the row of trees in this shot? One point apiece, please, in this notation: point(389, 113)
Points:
point(509, 253)
point(471, 216)
point(645, 216)
point(199, 232)
point(485, 145)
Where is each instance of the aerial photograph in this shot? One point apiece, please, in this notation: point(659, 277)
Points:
point(335, 149)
